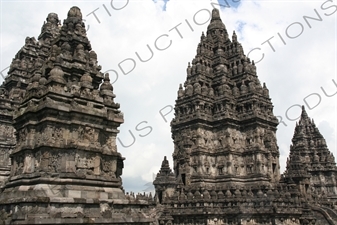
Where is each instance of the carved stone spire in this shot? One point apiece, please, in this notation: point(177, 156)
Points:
point(310, 157)
point(66, 125)
point(164, 182)
point(165, 167)
point(27, 62)
point(238, 102)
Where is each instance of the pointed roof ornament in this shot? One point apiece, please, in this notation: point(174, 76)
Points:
point(75, 12)
point(216, 24)
point(234, 37)
point(106, 84)
point(165, 167)
point(215, 15)
point(304, 115)
point(202, 35)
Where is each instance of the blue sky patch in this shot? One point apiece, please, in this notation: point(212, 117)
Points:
point(222, 3)
point(231, 3)
point(240, 26)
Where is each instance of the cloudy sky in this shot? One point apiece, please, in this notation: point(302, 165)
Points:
point(294, 43)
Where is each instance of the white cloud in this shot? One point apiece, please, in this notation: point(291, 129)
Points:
point(292, 72)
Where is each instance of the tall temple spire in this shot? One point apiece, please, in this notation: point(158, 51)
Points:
point(165, 181)
point(66, 122)
point(224, 126)
point(310, 157)
point(309, 148)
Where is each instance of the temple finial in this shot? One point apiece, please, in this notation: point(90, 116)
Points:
point(304, 113)
point(234, 37)
point(215, 15)
point(75, 12)
point(216, 25)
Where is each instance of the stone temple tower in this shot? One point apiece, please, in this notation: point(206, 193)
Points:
point(224, 126)
point(65, 167)
point(310, 164)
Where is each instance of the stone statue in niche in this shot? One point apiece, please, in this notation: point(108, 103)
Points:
point(198, 67)
point(54, 162)
point(243, 87)
point(70, 27)
point(204, 90)
point(108, 100)
point(80, 53)
point(75, 90)
point(235, 70)
point(97, 165)
point(226, 89)
point(38, 63)
point(197, 88)
point(29, 163)
point(251, 86)
point(333, 179)
point(79, 30)
point(18, 164)
point(22, 135)
point(228, 139)
point(240, 68)
point(44, 163)
point(235, 90)
point(235, 139)
point(316, 157)
point(222, 140)
point(93, 58)
point(55, 51)
point(211, 92)
point(23, 64)
point(258, 134)
point(236, 165)
point(200, 138)
point(208, 136)
point(109, 167)
point(189, 90)
point(81, 163)
point(86, 93)
point(110, 145)
point(66, 50)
